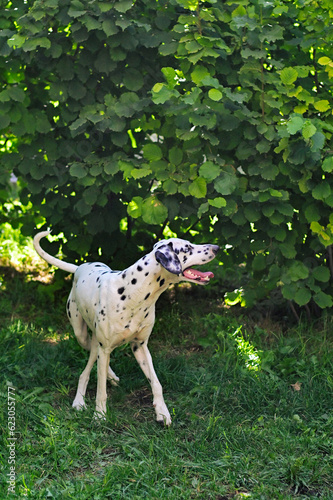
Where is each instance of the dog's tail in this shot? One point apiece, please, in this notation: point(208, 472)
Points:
point(65, 266)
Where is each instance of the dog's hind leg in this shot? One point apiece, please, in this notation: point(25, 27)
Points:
point(79, 402)
point(81, 333)
point(79, 325)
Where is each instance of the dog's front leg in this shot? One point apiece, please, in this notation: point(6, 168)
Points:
point(143, 357)
point(103, 359)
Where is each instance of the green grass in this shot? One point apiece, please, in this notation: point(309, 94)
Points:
point(241, 429)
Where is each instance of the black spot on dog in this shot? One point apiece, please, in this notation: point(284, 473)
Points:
point(184, 259)
point(134, 280)
point(139, 268)
point(97, 279)
point(69, 313)
point(124, 276)
point(101, 344)
point(146, 297)
point(146, 314)
point(127, 326)
point(135, 348)
point(142, 343)
point(123, 297)
point(102, 312)
point(162, 282)
point(146, 274)
point(158, 279)
point(121, 290)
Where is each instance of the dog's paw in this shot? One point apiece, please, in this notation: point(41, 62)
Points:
point(99, 416)
point(112, 377)
point(79, 405)
point(162, 415)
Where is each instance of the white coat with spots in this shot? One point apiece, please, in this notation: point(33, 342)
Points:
point(119, 307)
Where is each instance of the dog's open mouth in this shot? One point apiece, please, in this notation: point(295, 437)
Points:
point(198, 276)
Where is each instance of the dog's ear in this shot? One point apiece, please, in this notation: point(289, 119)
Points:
point(168, 259)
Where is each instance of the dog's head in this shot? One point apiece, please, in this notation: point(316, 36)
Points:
point(178, 256)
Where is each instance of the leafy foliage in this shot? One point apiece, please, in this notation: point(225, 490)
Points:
point(213, 118)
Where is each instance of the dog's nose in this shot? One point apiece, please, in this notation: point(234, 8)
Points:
point(215, 249)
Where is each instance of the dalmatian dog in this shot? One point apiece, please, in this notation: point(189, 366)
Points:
point(118, 307)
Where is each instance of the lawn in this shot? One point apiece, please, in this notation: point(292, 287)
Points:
point(250, 398)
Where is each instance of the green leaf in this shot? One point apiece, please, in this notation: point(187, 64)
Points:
point(321, 191)
point(323, 300)
point(198, 188)
point(209, 171)
point(252, 213)
point(78, 170)
point(170, 186)
point(298, 271)
point(322, 105)
point(308, 130)
point(215, 94)
point(295, 124)
point(111, 167)
point(90, 195)
point(161, 93)
point(123, 5)
point(312, 213)
point(226, 183)
point(134, 208)
point(302, 296)
point(133, 79)
point(318, 141)
point(327, 165)
point(198, 74)
point(138, 173)
point(175, 156)
point(4, 121)
point(288, 250)
point(109, 27)
point(42, 124)
point(152, 152)
point(153, 211)
point(288, 76)
point(16, 94)
point(83, 208)
point(171, 76)
point(204, 207)
point(289, 291)
point(322, 274)
point(259, 262)
point(324, 61)
point(218, 202)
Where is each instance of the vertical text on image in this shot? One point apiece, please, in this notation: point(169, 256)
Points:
point(11, 413)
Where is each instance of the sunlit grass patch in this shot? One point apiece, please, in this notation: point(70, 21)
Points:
point(17, 250)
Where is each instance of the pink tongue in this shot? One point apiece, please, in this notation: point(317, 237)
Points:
point(195, 274)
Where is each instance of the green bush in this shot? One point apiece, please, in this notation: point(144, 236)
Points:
point(128, 121)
